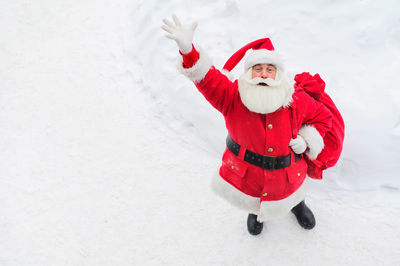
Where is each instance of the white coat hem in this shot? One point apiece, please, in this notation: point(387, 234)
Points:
point(276, 209)
point(234, 196)
point(267, 210)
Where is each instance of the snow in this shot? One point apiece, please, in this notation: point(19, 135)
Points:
point(107, 152)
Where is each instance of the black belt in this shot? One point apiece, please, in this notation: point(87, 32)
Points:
point(263, 161)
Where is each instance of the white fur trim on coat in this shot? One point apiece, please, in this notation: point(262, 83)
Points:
point(263, 56)
point(228, 74)
point(267, 209)
point(278, 208)
point(314, 140)
point(234, 196)
point(199, 70)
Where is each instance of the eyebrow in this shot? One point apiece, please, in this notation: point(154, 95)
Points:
point(268, 65)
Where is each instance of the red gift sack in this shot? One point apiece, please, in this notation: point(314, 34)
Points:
point(333, 138)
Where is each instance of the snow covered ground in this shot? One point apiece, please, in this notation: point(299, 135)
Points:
point(106, 152)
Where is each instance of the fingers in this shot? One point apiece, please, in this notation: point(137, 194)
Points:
point(297, 150)
point(194, 26)
point(176, 20)
point(170, 26)
point(182, 35)
point(167, 29)
point(168, 23)
point(170, 36)
point(296, 147)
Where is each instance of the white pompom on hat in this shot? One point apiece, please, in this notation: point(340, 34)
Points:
point(263, 52)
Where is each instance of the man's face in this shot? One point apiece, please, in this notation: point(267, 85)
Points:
point(263, 71)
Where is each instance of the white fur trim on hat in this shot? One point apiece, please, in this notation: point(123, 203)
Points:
point(199, 70)
point(314, 140)
point(263, 56)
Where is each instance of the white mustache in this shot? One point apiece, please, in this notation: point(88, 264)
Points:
point(268, 81)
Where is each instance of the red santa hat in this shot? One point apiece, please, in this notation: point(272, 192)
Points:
point(263, 52)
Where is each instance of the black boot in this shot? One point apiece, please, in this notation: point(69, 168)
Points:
point(253, 226)
point(304, 215)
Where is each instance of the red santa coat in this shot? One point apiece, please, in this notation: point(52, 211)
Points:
point(265, 134)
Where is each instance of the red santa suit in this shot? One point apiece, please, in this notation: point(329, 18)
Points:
point(249, 177)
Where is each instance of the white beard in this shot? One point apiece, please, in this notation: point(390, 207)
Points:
point(265, 99)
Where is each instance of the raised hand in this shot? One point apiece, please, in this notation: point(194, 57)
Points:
point(182, 35)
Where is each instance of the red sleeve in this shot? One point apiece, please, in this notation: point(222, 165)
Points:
point(218, 90)
point(215, 86)
point(317, 115)
point(190, 58)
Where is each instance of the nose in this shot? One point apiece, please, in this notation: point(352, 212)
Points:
point(264, 74)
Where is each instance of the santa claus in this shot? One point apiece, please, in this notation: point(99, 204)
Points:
point(263, 168)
